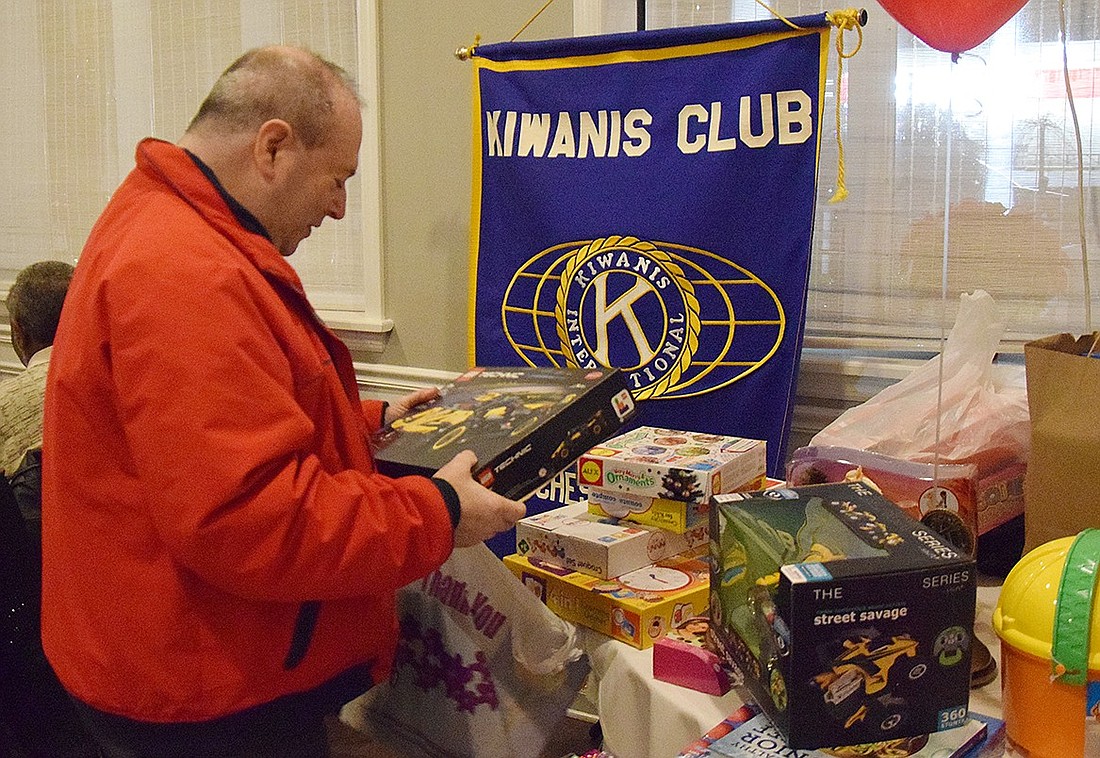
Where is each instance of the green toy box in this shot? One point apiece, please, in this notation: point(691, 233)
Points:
point(851, 621)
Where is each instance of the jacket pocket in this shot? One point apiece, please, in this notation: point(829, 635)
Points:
point(304, 625)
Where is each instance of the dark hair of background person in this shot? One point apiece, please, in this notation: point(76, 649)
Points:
point(34, 302)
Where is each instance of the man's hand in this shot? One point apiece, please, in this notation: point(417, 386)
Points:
point(484, 512)
point(400, 408)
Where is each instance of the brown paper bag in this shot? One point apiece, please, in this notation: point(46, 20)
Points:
point(1062, 485)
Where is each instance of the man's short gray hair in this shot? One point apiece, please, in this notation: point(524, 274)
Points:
point(276, 82)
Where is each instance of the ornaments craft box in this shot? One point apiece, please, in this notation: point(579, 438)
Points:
point(665, 477)
point(524, 424)
point(572, 538)
point(851, 621)
point(637, 608)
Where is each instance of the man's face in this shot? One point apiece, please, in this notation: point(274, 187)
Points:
point(313, 187)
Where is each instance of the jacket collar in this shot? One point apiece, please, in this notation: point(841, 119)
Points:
point(244, 216)
point(172, 166)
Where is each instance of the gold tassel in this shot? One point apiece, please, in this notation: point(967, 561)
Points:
point(843, 20)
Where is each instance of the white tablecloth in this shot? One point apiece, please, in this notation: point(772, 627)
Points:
point(645, 718)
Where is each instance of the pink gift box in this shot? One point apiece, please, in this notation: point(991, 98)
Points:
point(681, 658)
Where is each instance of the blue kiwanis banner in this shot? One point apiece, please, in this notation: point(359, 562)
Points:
point(646, 201)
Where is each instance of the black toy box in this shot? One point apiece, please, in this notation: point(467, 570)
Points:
point(851, 621)
point(524, 424)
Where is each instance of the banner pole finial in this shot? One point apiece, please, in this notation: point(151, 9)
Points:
point(465, 53)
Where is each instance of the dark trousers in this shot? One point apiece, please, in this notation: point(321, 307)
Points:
point(264, 734)
point(291, 727)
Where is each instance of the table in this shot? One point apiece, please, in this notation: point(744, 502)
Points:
point(641, 716)
point(645, 718)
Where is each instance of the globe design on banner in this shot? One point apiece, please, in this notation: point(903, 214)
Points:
point(680, 321)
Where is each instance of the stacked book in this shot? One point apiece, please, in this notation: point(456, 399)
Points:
point(747, 733)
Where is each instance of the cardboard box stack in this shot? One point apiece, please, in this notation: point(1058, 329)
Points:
point(665, 477)
point(631, 562)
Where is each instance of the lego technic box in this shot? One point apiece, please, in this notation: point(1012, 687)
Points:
point(851, 621)
point(524, 424)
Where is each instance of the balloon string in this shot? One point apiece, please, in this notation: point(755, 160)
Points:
point(943, 271)
point(1080, 170)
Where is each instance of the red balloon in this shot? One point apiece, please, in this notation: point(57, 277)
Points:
point(952, 25)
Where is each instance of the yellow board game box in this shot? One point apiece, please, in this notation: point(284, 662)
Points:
point(637, 608)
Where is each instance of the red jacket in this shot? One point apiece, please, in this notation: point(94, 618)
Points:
point(207, 472)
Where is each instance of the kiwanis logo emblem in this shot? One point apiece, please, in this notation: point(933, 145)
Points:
point(679, 321)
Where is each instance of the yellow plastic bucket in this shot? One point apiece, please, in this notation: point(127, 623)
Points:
point(1050, 646)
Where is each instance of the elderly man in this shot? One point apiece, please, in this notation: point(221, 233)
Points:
point(220, 557)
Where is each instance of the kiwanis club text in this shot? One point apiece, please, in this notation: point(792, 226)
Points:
point(785, 118)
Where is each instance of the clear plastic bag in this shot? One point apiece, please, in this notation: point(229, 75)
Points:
point(983, 414)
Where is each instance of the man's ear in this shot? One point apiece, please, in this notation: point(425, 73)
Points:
point(272, 145)
point(19, 342)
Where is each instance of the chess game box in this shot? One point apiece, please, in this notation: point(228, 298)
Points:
point(524, 424)
point(665, 477)
point(573, 538)
point(851, 621)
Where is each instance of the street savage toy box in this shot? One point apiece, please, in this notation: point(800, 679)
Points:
point(665, 477)
point(524, 424)
point(851, 621)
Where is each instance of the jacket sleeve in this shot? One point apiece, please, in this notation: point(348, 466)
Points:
point(374, 411)
point(235, 420)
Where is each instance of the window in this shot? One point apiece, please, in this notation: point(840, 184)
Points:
point(1011, 194)
point(86, 81)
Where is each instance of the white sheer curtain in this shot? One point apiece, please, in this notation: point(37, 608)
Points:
point(84, 81)
point(1013, 202)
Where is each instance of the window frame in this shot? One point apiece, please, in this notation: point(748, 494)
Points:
point(362, 323)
